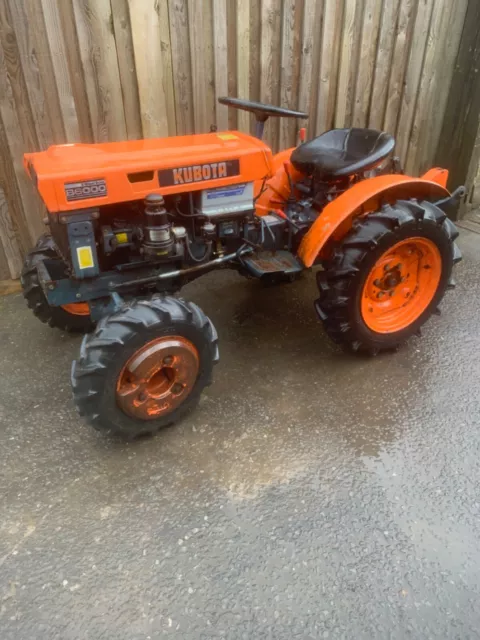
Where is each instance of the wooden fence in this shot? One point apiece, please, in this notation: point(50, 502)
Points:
point(94, 70)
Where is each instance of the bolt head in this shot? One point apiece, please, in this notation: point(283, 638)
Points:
point(79, 295)
point(177, 388)
point(168, 361)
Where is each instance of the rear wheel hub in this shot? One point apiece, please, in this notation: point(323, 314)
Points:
point(401, 285)
point(157, 378)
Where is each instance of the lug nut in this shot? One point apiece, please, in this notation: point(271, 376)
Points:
point(377, 283)
point(177, 388)
point(168, 361)
point(380, 294)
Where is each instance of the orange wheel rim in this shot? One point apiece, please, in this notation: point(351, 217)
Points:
point(157, 378)
point(77, 308)
point(401, 285)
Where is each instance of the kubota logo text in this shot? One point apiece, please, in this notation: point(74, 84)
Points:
point(198, 173)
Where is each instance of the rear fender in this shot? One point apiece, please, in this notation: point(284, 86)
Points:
point(363, 198)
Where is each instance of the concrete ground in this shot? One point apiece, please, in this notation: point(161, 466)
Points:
point(312, 494)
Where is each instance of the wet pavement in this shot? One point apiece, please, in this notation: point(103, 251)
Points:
point(313, 494)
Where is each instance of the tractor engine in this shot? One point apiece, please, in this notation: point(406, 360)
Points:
point(189, 228)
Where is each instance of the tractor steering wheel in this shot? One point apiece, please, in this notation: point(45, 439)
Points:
point(261, 111)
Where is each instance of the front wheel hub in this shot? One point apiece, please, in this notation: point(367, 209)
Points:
point(158, 378)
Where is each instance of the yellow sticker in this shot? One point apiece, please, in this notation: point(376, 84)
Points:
point(227, 136)
point(85, 257)
point(122, 238)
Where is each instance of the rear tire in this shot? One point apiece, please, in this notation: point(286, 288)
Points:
point(347, 295)
point(58, 317)
point(107, 389)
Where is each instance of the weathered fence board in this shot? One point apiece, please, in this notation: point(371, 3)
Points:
point(94, 70)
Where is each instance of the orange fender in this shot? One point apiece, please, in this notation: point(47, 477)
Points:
point(363, 198)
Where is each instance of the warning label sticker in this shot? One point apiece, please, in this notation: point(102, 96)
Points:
point(85, 257)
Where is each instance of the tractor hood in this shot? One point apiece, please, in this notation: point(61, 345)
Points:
point(78, 176)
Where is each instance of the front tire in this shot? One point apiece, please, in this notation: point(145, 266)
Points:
point(145, 366)
point(388, 276)
point(73, 317)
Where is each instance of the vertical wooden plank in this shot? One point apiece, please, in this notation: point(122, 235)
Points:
point(401, 50)
point(472, 178)
point(14, 236)
point(255, 35)
point(93, 19)
point(182, 79)
point(290, 68)
point(201, 51)
point(366, 66)
point(13, 87)
point(243, 59)
point(270, 63)
point(221, 60)
point(475, 195)
point(75, 69)
point(4, 268)
point(327, 89)
point(307, 54)
point(16, 135)
point(348, 62)
point(14, 232)
point(60, 71)
point(126, 68)
point(152, 76)
point(422, 109)
point(310, 63)
point(439, 81)
point(412, 77)
point(41, 50)
point(31, 73)
point(161, 7)
point(383, 63)
point(10, 255)
point(232, 59)
point(459, 140)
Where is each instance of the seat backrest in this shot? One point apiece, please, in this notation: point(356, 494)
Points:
point(343, 152)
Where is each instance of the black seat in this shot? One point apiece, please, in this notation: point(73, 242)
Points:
point(342, 152)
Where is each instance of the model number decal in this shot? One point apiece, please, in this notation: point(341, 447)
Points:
point(198, 173)
point(86, 189)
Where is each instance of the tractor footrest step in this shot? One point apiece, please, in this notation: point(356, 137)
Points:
point(267, 262)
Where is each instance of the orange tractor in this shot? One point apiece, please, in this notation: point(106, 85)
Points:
point(131, 222)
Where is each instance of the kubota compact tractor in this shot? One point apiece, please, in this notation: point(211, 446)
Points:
point(131, 222)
